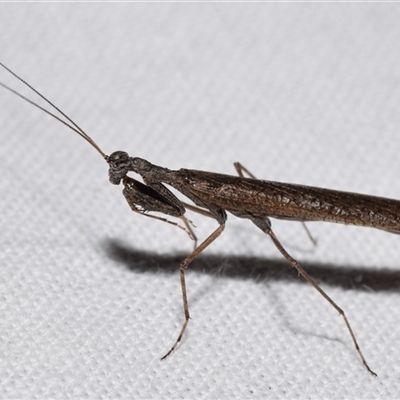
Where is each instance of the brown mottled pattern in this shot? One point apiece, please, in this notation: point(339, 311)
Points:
point(294, 202)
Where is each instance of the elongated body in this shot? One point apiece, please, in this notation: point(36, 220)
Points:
point(252, 198)
point(216, 194)
point(293, 202)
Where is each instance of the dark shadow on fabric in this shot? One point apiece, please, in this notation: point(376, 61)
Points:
point(256, 268)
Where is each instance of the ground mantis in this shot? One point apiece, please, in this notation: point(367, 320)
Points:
point(213, 195)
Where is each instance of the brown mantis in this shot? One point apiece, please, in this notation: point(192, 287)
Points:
point(213, 195)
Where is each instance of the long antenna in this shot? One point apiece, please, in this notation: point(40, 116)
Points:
point(75, 127)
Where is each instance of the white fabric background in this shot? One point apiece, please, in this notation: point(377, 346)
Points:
point(90, 296)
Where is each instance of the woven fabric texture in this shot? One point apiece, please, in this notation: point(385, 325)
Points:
point(90, 291)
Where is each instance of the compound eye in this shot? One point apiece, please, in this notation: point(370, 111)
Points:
point(118, 156)
point(119, 162)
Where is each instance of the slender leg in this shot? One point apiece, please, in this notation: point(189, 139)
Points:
point(265, 226)
point(190, 230)
point(199, 210)
point(183, 266)
point(240, 169)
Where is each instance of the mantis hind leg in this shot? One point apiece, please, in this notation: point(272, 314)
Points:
point(265, 225)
